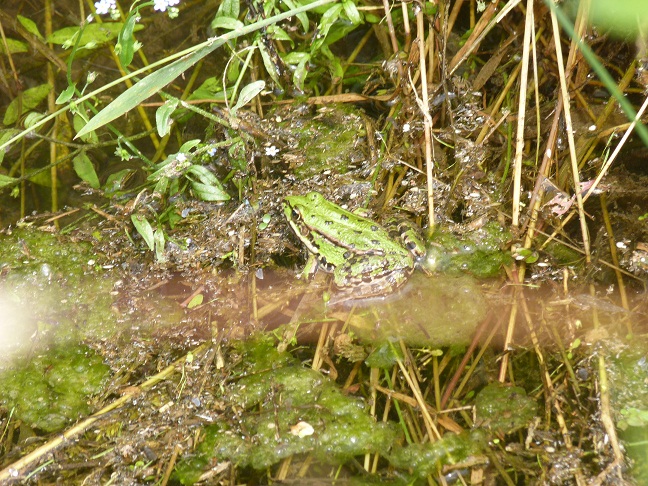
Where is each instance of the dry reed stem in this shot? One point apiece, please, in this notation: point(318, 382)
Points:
point(570, 139)
point(522, 97)
point(432, 431)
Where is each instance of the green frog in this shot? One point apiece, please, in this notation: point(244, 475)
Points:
point(366, 259)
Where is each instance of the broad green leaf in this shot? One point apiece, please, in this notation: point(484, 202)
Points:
point(32, 119)
point(93, 34)
point(188, 145)
point(25, 101)
point(209, 193)
point(15, 46)
point(229, 8)
point(195, 301)
point(162, 186)
point(226, 23)
point(78, 122)
point(145, 229)
point(159, 239)
point(204, 174)
point(126, 41)
point(248, 92)
point(163, 114)
point(352, 12)
point(7, 181)
point(326, 22)
point(7, 134)
point(212, 88)
point(269, 65)
point(296, 57)
point(42, 178)
point(30, 26)
point(85, 170)
point(299, 76)
point(66, 95)
point(623, 17)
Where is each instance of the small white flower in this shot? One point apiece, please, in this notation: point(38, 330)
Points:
point(162, 5)
point(181, 157)
point(406, 128)
point(271, 151)
point(104, 6)
point(212, 151)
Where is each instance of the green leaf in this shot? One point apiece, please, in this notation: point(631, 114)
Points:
point(269, 65)
point(6, 135)
point(66, 95)
point(85, 170)
point(229, 8)
point(278, 33)
point(78, 122)
point(188, 145)
point(159, 239)
point(302, 17)
point(15, 46)
point(248, 92)
point(208, 192)
point(204, 174)
point(126, 41)
point(163, 114)
point(212, 88)
point(299, 76)
point(296, 57)
point(147, 87)
point(326, 22)
point(352, 12)
point(7, 181)
point(195, 301)
point(145, 229)
point(25, 101)
point(153, 83)
point(93, 34)
point(30, 26)
point(226, 23)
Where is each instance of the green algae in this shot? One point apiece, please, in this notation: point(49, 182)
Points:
point(328, 141)
point(504, 409)
point(53, 287)
point(457, 303)
point(284, 411)
point(51, 389)
point(479, 252)
point(425, 459)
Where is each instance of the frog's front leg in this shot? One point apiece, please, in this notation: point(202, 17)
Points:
point(311, 266)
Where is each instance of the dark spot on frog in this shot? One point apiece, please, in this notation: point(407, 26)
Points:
point(344, 217)
point(357, 232)
point(347, 255)
point(374, 227)
point(328, 223)
point(375, 242)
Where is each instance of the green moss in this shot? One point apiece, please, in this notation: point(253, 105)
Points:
point(424, 459)
point(270, 404)
point(479, 253)
point(52, 389)
point(504, 409)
